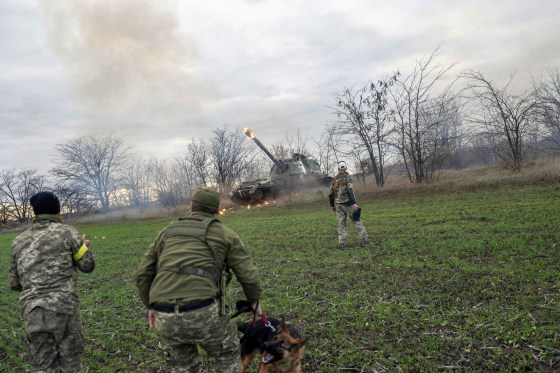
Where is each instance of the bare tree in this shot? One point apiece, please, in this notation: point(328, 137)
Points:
point(362, 162)
point(422, 103)
point(174, 182)
point(165, 183)
point(330, 147)
point(229, 156)
point(136, 179)
point(187, 178)
point(290, 144)
point(453, 137)
point(257, 166)
point(72, 200)
point(93, 163)
point(198, 155)
point(351, 110)
point(16, 188)
point(548, 94)
point(365, 115)
point(4, 212)
point(504, 118)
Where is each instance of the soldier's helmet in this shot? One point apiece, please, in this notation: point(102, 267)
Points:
point(342, 165)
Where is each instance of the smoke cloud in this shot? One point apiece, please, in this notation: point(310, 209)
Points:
point(127, 58)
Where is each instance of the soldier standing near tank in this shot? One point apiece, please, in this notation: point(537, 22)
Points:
point(43, 269)
point(343, 203)
point(181, 281)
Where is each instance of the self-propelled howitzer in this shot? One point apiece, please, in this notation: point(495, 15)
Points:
point(293, 175)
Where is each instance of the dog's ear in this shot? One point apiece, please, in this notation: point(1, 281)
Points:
point(301, 342)
point(283, 327)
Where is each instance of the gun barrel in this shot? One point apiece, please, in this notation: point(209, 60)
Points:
point(252, 136)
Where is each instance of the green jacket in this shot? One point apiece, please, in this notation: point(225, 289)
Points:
point(158, 278)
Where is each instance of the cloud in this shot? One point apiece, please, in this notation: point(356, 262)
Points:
point(162, 72)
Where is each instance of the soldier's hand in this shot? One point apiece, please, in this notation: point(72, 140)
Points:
point(85, 240)
point(257, 308)
point(355, 207)
point(333, 208)
point(151, 319)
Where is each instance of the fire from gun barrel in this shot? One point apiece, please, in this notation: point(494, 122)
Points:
point(249, 133)
point(278, 162)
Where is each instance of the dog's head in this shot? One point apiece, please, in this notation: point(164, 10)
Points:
point(286, 345)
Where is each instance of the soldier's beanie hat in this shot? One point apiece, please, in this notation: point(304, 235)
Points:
point(207, 197)
point(45, 203)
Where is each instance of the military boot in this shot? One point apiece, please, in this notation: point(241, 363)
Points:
point(366, 243)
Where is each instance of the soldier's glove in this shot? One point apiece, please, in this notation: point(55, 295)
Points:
point(242, 306)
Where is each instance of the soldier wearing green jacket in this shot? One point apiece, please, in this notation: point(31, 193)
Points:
point(180, 280)
point(43, 269)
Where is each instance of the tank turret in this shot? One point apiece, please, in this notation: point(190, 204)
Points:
point(298, 173)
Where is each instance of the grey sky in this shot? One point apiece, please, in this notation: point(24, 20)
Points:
point(162, 72)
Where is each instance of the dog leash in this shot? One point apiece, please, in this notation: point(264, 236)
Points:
point(266, 323)
point(244, 306)
point(263, 319)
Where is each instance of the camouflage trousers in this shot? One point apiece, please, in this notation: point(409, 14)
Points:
point(182, 333)
point(343, 213)
point(55, 341)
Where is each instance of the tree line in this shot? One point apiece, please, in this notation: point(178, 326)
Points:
point(99, 172)
point(430, 119)
point(415, 123)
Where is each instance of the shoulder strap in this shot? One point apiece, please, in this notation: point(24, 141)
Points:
point(192, 226)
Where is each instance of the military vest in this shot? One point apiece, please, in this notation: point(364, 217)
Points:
point(197, 227)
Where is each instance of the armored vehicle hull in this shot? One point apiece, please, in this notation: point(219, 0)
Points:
point(252, 192)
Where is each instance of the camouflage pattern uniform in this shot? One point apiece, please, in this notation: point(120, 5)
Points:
point(341, 193)
point(182, 333)
point(163, 280)
point(43, 269)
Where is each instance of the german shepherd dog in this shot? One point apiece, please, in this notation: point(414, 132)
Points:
point(281, 350)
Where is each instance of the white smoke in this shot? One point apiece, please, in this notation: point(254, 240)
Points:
point(127, 58)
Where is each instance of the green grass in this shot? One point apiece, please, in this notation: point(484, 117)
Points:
point(456, 281)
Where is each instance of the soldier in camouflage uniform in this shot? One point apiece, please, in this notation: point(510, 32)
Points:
point(341, 193)
point(43, 269)
point(179, 281)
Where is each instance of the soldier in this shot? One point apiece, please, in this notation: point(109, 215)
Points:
point(342, 194)
point(180, 281)
point(43, 269)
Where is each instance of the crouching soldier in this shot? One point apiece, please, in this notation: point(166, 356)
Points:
point(180, 282)
point(43, 269)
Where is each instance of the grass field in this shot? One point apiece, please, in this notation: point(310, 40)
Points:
point(464, 280)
